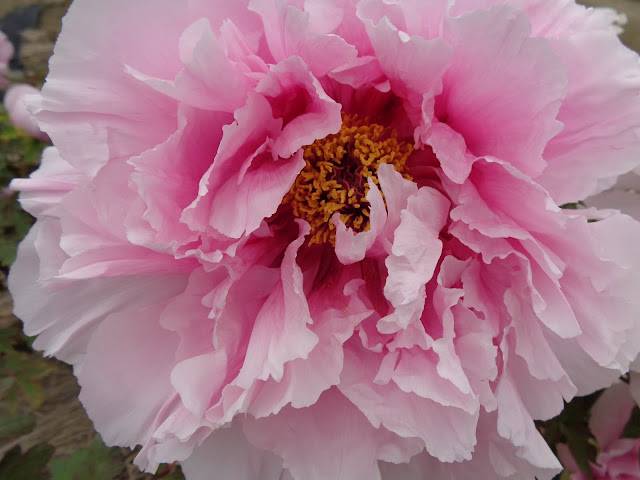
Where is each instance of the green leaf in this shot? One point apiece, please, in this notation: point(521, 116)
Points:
point(31, 465)
point(96, 462)
point(5, 384)
point(582, 450)
point(33, 393)
point(7, 339)
point(13, 426)
point(632, 428)
point(168, 472)
point(573, 206)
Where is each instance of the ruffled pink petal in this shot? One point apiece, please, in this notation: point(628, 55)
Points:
point(280, 333)
point(290, 32)
point(516, 425)
point(414, 17)
point(330, 439)
point(297, 98)
point(243, 168)
point(414, 255)
point(451, 150)
point(554, 18)
point(414, 66)
point(89, 58)
point(53, 310)
point(353, 246)
point(167, 184)
point(304, 380)
point(516, 94)
point(447, 432)
point(493, 458)
point(209, 79)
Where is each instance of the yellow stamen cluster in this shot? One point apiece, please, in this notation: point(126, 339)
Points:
point(334, 178)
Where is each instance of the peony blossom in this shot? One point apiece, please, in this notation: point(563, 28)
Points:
point(618, 457)
point(322, 239)
point(6, 52)
point(14, 103)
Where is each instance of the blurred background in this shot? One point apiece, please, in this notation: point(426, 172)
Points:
point(44, 432)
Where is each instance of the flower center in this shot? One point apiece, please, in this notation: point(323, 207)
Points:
point(334, 178)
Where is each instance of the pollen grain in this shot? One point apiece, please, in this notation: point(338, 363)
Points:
point(336, 172)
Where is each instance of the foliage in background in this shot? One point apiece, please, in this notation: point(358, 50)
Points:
point(19, 156)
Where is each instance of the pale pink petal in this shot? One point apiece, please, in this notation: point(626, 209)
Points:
point(493, 458)
point(614, 86)
point(331, 439)
point(304, 380)
point(290, 31)
point(280, 333)
point(414, 66)
point(353, 246)
point(452, 152)
point(243, 143)
point(167, 184)
point(297, 98)
point(229, 454)
point(46, 186)
point(142, 368)
point(447, 432)
point(55, 313)
point(89, 58)
point(209, 80)
point(413, 17)
point(414, 255)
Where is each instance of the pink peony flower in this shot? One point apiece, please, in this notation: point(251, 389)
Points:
point(618, 457)
point(6, 52)
point(317, 240)
point(14, 102)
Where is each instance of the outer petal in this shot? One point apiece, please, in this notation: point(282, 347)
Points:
point(611, 90)
point(46, 186)
point(330, 439)
point(66, 314)
point(493, 458)
point(142, 368)
point(88, 57)
point(227, 455)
